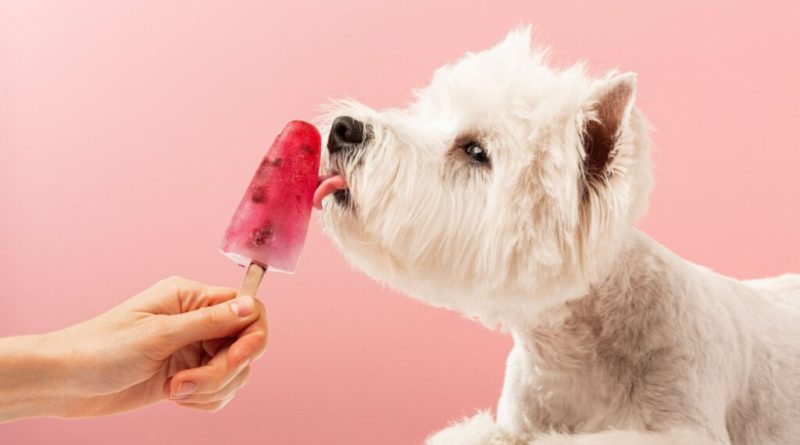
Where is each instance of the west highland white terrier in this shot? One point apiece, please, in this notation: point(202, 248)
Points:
point(508, 191)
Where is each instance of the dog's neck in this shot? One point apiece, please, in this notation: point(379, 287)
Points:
point(578, 357)
point(620, 316)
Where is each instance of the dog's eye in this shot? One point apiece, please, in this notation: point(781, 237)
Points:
point(476, 152)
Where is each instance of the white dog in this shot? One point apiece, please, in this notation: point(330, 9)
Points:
point(508, 191)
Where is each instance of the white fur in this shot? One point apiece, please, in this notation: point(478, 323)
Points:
point(617, 340)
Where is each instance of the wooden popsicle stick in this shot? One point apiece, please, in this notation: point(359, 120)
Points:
point(252, 278)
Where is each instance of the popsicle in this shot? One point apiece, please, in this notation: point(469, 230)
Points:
point(269, 227)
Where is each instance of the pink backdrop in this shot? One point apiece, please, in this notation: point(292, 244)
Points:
point(128, 131)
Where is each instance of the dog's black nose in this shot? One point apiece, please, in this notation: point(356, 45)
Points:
point(345, 132)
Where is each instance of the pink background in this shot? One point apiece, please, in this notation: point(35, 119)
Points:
point(128, 131)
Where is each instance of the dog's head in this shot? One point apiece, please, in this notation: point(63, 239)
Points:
point(506, 185)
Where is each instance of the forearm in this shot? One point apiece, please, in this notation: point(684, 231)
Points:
point(31, 378)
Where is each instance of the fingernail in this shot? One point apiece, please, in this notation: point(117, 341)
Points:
point(185, 389)
point(243, 306)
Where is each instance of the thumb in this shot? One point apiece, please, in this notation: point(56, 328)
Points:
point(218, 321)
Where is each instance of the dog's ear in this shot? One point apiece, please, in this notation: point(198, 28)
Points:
point(607, 111)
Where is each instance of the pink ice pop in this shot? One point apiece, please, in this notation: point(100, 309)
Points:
point(270, 224)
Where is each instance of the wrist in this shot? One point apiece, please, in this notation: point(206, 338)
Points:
point(33, 377)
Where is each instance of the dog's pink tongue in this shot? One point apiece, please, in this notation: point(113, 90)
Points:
point(327, 186)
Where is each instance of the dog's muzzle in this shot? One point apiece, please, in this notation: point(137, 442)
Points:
point(346, 137)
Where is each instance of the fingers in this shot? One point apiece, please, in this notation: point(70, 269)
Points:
point(225, 393)
point(208, 407)
point(210, 347)
point(221, 320)
point(252, 341)
point(192, 295)
point(194, 298)
point(249, 345)
point(176, 295)
point(207, 379)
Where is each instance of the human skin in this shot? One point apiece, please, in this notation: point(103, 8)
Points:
point(179, 340)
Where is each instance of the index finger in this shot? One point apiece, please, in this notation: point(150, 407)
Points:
point(206, 296)
point(177, 295)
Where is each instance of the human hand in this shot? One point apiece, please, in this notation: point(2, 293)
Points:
point(178, 340)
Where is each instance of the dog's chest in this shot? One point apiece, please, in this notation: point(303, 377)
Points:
point(538, 399)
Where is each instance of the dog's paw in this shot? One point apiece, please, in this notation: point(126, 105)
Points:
point(479, 429)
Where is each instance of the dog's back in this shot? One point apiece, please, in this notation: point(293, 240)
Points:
point(786, 287)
